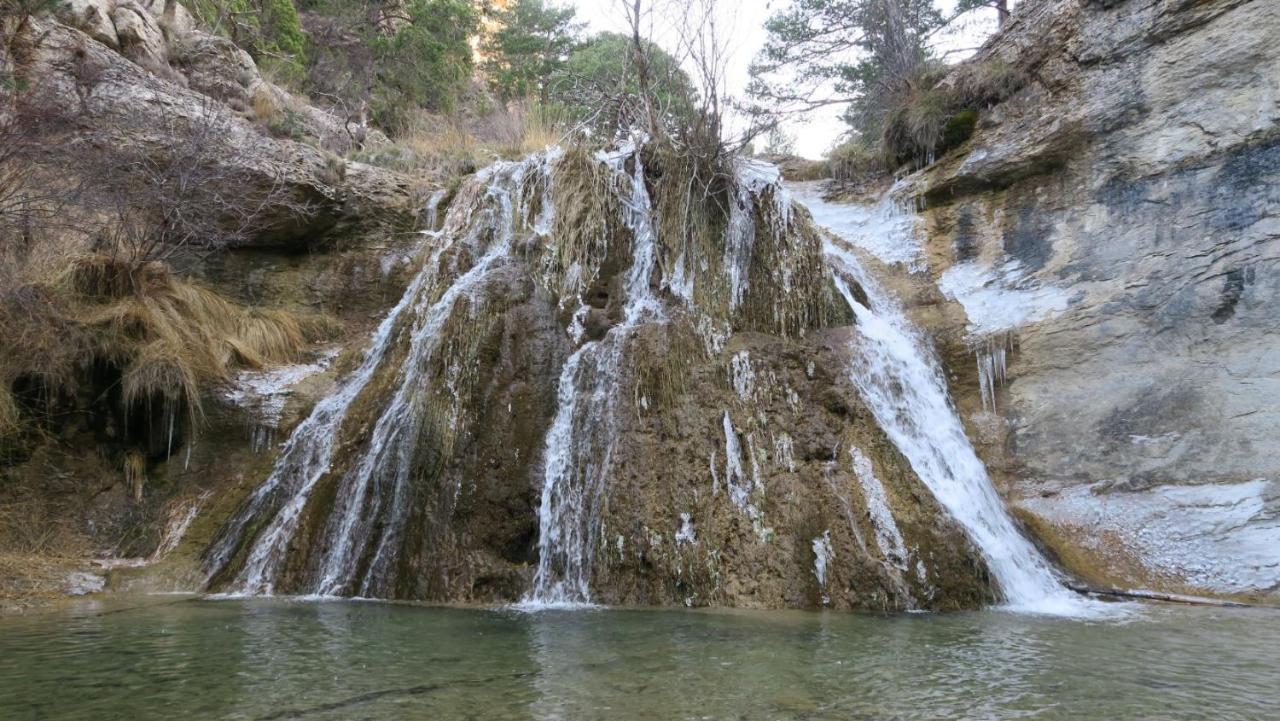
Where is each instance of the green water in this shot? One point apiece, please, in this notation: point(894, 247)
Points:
point(195, 660)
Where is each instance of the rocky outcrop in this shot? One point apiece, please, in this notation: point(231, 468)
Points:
point(546, 416)
point(1107, 247)
point(124, 105)
point(103, 89)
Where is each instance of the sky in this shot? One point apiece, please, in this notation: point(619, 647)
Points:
point(743, 21)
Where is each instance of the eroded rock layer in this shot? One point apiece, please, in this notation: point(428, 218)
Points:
point(1105, 248)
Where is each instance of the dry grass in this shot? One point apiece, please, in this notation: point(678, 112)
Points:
point(936, 113)
point(263, 103)
point(440, 148)
point(30, 525)
point(852, 161)
point(585, 225)
point(135, 473)
point(8, 413)
point(170, 338)
point(803, 170)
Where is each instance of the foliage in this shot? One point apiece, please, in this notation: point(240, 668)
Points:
point(269, 29)
point(427, 61)
point(822, 52)
point(938, 112)
point(778, 142)
point(531, 45)
point(873, 55)
point(599, 88)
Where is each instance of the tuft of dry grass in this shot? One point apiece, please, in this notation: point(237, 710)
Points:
point(135, 473)
point(263, 103)
point(936, 113)
point(852, 161)
point(439, 148)
point(169, 337)
point(584, 226)
point(9, 417)
point(172, 337)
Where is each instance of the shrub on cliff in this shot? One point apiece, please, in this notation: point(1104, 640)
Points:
point(269, 29)
point(938, 111)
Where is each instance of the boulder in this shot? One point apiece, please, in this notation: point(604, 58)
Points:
point(93, 17)
point(141, 38)
point(176, 23)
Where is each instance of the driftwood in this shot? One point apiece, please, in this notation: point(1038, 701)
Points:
point(1155, 596)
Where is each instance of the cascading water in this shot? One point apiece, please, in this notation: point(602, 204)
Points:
point(897, 376)
point(580, 443)
point(345, 497)
point(373, 491)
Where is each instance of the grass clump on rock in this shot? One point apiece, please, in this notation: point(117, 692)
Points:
point(936, 113)
point(136, 333)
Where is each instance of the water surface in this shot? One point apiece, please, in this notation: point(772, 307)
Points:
point(265, 659)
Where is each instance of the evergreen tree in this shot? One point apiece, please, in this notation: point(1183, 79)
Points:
point(866, 53)
point(427, 62)
point(599, 86)
point(532, 43)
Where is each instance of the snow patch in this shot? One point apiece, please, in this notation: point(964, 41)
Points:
point(1000, 298)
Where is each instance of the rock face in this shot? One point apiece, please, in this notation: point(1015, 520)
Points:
point(568, 406)
point(119, 79)
point(1107, 245)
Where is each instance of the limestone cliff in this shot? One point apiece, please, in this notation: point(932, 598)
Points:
point(94, 98)
point(1105, 247)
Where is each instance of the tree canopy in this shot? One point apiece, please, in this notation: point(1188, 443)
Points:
point(427, 61)
point(864, 53)
point(532, 43)
point(599, 86)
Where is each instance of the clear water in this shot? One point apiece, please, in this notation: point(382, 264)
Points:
point(278, 659)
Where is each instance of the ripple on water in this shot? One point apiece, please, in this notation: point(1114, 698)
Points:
point(284, 659)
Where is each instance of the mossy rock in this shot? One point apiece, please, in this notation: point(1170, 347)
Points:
point(958, 129)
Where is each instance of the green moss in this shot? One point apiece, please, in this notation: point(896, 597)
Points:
point(958, 129)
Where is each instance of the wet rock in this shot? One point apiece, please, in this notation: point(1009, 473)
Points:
point(81, 583)
point(1119, 213)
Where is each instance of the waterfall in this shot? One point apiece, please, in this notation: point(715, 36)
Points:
point(895, 372)
point(373, 492)
point(580, 443)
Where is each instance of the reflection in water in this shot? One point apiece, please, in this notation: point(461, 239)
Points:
point(279, 659)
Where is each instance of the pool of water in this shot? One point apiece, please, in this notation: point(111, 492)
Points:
point(275, 659)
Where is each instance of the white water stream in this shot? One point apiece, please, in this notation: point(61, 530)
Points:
point(892, 366)
point(894, 369)
point(383, 469)
point(579, 446)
